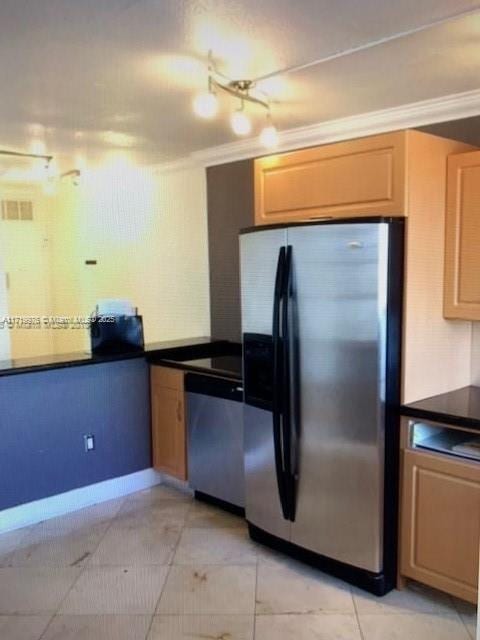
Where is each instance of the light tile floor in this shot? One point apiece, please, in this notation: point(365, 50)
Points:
point(159, 566)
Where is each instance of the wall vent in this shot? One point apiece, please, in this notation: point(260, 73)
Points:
point(17, 210)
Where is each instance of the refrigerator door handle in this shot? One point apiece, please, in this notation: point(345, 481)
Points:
point(278, 391)
point(287, 389)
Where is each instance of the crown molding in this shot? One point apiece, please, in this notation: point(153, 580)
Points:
point(443, 109)
point(415, 114)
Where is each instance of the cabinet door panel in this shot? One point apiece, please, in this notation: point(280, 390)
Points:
point(462, 257)
point(355, 178)
point(167, 377)
point(168, 428)
point(441, 523)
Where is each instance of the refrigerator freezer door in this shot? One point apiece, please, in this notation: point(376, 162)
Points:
point(340, 275)
point(258, 264)
point(259, 258)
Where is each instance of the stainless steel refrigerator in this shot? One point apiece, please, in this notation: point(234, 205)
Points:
point(321, 323)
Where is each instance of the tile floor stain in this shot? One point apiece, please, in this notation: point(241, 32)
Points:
point(201, 577)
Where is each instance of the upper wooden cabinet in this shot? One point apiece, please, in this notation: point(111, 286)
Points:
point(462, 255)
point(355, 178)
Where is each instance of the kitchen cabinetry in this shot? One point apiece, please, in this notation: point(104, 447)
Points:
point(396, 174)
point(462, 257)
point(355, 178)
point(168, 421)
point(440, 516)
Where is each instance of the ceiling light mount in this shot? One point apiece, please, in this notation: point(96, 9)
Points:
point(240, 89)
point(242, 85)
point(206, 104)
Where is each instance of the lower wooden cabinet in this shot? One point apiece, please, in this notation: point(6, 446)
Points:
point(440, 522)
point(169, 440)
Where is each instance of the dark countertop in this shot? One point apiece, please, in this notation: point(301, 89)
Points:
point(460, 408)
point(189, 349)
point(225, 366)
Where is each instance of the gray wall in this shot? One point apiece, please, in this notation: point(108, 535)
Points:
point(465, 130)
point(44, 415)
point(230, 208)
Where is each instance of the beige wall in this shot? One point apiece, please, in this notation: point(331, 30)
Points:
point(148, 234)
point(476, 354)
point(25, 247)
point(4, 334)
point(436, 351)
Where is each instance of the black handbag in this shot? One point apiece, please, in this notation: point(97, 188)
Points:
point(116, 334)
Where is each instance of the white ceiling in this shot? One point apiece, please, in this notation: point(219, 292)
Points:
point(91, 77)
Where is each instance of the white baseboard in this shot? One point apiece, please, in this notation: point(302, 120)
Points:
point(181, 485)
point(33, 512)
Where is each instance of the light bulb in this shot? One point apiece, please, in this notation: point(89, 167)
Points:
point(205, 105)
point(269, 136)
point(240, 122)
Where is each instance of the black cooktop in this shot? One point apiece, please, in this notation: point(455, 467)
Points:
point(218, 364)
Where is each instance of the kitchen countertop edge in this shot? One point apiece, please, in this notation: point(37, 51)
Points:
point(441, 408)
point(155, 353)
point(190, 368)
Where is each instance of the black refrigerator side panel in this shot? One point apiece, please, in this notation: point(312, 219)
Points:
point(393, 390)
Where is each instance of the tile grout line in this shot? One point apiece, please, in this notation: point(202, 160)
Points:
point(82, 570)
point(255, 598)
point(102, 537)
point(88, 565)
point(42, 635)
point(152, 618)
point(110, 522)
point(464, 623)
point(168, 572)
point(357, 617)
point(150, 625)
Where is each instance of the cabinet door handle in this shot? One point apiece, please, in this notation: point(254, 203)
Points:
point(179, 410)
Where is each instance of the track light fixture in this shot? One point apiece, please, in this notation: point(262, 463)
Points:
point(206, 104)
point(74, 174)
point(34, 156)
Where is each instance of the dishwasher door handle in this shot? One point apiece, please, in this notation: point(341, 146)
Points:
point(214, 387)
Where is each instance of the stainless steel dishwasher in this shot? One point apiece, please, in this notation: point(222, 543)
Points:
point(215, 439)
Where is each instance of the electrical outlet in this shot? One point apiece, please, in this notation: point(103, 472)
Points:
point(89, 442)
